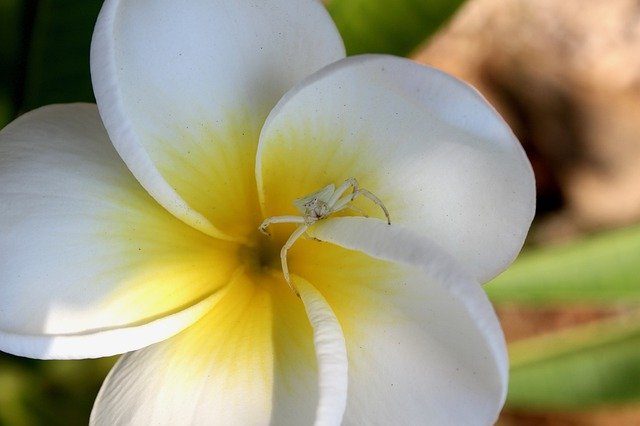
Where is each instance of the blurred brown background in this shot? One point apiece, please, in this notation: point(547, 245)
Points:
point(566, 76)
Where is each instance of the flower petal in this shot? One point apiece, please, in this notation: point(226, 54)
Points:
point(421, 334)
point(296, 390)
point(219, 371)
point(85, 251)
point(249, 361)
point(429, 146)
point(100, 343)
point(330, 352)
point(184, 88)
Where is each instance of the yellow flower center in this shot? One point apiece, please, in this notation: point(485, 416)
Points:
point(314, 207)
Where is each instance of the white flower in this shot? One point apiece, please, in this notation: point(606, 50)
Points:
point(222, 113)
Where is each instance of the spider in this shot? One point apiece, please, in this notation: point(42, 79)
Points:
point(317, 206)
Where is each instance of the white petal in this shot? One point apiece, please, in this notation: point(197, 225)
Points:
point(99, 343)
point(424, 343)
point(217, 372)
point(331, 353)
point(249, 361)
point(86, 255)
point(184, 87)
point(429, 146)
point(296, 389)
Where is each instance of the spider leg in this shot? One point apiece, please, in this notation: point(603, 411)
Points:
point(278, 219)
point(283, 255)
point(343, 203)
point(356, 209)
point(306, 236)
point(365, 193)
point(349, 183)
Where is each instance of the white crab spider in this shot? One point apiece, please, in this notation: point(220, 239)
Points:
point(317, 206)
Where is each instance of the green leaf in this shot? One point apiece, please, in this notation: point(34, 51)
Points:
point(10, 50)
point(582, 367)
point(51, 393)
point(382, 26)
point(600, 270)
point(58, 62)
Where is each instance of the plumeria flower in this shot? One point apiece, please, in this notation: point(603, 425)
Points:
point(132, 227)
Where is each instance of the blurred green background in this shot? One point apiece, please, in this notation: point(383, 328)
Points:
point(566, 76)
